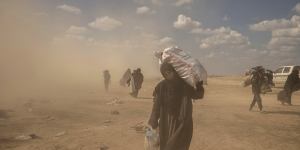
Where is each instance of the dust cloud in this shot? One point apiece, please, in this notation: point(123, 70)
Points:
point(35, 58)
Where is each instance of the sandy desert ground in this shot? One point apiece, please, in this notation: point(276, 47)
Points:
point(82, 119)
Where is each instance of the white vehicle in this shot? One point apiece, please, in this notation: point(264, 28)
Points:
point(280, 75)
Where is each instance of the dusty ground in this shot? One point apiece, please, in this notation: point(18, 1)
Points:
point(81, 119)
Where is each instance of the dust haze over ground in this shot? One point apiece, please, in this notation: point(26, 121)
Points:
point(84, 119)
point(33, 62)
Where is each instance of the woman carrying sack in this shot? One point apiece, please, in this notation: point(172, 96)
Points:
point(172, 109)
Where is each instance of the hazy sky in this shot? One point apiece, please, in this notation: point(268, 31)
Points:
point(77, 39)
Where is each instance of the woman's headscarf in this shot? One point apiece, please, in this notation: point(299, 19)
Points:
point(166, 67)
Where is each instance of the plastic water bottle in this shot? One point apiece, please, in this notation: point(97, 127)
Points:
point(151, 139)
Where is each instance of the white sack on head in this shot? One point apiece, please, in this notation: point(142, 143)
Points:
point(188, 68)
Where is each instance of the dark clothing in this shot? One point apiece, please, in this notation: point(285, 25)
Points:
point(256, 99)
point(290, 86)
point(138, 79)
point(172, 113)
point(270, 77)
point(106, 84)
point(291, 81)
point(289, 97)
point(126, 76)
point(257, 82)
point(282, 96)
point(106, 80)
point(135, 93)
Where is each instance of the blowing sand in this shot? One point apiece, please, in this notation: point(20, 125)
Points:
point(87, 118)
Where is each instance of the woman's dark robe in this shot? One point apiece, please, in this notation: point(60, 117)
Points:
point(292, 80)
point(291, 85)
point(172, 112)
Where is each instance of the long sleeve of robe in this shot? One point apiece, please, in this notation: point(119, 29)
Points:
point(172, 113)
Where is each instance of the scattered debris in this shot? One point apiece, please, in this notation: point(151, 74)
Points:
point(140, 127)
point(27, 137)
point(103, 127)
point(34, 136)
point(103, 147)
point(23, 137)
point(60, 134)
point(48, 118)
point(115, 101)
point(107, 121)
point(115, 112)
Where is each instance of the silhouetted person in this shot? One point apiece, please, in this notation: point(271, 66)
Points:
point(172, 110)
point(106, 75)
point(126, 76)
point(269, 75)
point(257, 81)
point(289, 86)
point(136, 82)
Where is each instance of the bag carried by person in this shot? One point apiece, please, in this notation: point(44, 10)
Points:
point(247, 81)
point(266, 84)
point(265, 87)
point(188, 68)
point(151, 140)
